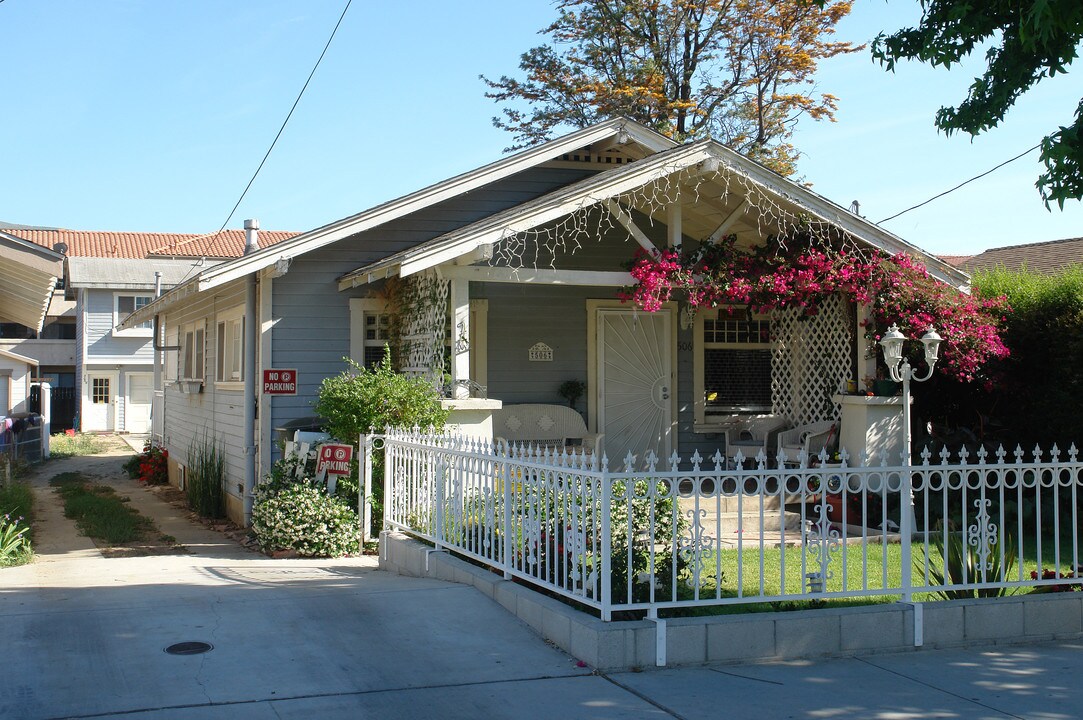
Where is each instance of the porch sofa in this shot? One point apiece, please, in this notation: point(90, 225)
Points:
point(553, 426)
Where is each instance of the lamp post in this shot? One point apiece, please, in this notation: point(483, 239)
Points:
point(899, 369)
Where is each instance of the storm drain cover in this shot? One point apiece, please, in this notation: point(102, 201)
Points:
point(189, 648)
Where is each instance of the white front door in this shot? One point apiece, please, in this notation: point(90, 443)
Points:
point(137, 402)
point(98, 401)
point(635, 377)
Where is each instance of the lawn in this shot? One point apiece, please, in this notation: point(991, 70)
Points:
point(62, 445)
point(98, 511)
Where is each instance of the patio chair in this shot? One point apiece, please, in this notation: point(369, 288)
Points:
point(751, 437)
point(811, 438)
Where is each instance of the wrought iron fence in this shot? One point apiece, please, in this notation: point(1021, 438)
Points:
point(689, 532)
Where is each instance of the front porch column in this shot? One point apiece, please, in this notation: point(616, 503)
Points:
point(460, 337)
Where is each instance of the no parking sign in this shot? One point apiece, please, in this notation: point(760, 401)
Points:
point(334, 460)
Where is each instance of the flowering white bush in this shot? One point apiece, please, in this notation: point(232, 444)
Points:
point(304, 518)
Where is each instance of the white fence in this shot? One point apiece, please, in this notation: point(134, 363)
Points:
point(693, 533)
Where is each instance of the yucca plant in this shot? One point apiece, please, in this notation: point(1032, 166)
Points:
point(959, 562)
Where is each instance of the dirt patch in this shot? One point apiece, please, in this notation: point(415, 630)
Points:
point(178, 499)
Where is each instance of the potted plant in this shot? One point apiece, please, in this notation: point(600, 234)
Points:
point(572, 390)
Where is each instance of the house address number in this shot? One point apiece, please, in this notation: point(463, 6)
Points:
point(540, 352)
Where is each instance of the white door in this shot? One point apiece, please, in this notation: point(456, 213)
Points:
point(137, 402)
point(98, 403)
point(635, 378)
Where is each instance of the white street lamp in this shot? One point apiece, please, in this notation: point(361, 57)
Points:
point(898, 368)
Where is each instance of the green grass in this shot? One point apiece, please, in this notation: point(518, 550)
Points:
point(99, 512)
point(16, 501)
point(846, 569)
point(62, 445)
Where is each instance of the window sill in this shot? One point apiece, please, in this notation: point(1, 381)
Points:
point(134, 333)
point(232, 385)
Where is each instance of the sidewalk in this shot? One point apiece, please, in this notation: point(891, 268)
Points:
point(84, 636)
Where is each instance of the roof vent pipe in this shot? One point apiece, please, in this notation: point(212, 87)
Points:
point(251, 236)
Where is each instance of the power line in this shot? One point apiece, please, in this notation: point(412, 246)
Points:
point(280, 130)
point(976, 177)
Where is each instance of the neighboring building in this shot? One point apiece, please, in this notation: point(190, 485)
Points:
point(1041, 257)
point(522, 260)
point(102, 377)
point(15, 374)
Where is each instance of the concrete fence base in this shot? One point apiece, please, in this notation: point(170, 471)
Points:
point(754, 636)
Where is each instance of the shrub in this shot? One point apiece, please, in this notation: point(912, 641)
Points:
point(150, 466)
point(206, 477)
point(296, 514)
point(362, 401)
point(14, 543)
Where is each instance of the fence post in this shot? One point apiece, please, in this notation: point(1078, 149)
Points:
point(438, 480)
point(906, 531)
point(509, 548)
point(45, 409)
point(364, 501)
point(607, 545)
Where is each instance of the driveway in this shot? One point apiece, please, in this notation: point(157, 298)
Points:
point(84, 636)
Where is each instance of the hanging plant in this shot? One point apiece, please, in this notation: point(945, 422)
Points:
point(772, 277)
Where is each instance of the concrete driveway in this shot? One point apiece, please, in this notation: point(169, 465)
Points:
point(85, 636)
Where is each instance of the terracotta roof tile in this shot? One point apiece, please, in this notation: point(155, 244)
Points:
point(1043, 257)
point(957, 261)
point(136, 245)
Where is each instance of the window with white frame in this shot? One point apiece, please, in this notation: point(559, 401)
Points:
point(370, 327)
point(733, 352)
point(230, 346)
point(124, 304)
point(192, 345)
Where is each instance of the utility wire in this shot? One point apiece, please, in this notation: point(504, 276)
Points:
point(280, 130)
point(976, 177)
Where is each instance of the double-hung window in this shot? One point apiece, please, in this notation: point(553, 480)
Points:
point(733, 352)
point(230, 346)
point(124, 304)
point(192, 342)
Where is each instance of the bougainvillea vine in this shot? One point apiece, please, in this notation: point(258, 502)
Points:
point(898, 289)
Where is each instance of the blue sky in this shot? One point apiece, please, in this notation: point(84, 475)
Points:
point(152, 115)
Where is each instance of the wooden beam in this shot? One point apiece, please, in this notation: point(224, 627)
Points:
point(625, 219)
point(732, 218)
point(673, 222)
point(594, 278)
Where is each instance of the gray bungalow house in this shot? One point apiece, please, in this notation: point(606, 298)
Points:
point(506, 279)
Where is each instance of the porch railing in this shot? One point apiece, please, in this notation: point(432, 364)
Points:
point(689, 532)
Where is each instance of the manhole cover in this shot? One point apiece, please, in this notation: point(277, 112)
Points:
point(189, 648)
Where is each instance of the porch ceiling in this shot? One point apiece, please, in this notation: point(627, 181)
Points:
point(28, 274)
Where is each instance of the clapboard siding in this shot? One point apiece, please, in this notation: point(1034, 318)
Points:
point(312, 330)
point(101, 342)
point(216, 415)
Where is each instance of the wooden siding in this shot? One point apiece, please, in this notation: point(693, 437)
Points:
point(312, 332)
point(101, 342)
point(216, 414)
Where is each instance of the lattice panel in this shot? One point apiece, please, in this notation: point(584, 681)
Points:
point(424, 323)
point(811, 361)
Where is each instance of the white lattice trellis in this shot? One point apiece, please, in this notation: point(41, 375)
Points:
point(812, 361)
point(424, 326)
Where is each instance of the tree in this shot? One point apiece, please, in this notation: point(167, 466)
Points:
point(738, 70)
point(1030, 40)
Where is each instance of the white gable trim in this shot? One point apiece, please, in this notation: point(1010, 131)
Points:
point(616, 182)
point(373, 217)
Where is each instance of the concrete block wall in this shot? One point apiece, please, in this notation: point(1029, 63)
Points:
point(887, 627)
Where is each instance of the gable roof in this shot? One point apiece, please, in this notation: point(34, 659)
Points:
point(130, 274)
point(28, 274)
point(139, 245)
point(785, 193)
point(18, 358)
point(620, 130)
point(1042, 257)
